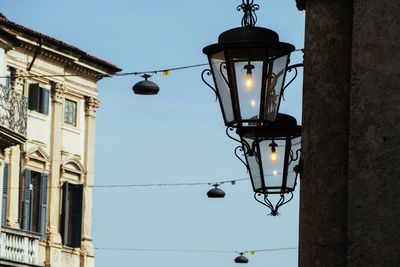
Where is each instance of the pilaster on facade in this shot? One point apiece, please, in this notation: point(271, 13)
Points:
point(91, 106)
point(19, 80)
point(58, 92)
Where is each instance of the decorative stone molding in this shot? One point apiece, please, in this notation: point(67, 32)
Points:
point(91, 105)
point(18, 82)
point(37, 154)
point(58, 92)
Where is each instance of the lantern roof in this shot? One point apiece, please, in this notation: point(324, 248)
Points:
point(284, 125)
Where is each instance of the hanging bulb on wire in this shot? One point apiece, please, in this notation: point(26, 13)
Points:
point(249, 76)
point(273, 146)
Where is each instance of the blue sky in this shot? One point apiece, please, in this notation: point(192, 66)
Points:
point(176, 136)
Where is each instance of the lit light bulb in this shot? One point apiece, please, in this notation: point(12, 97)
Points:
point(274, 156)
point(273, 146)
point(249, 81)
point(249, 78)
point(253, 103)
point(275, 172)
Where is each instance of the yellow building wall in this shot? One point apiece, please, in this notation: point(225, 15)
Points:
point(66, 152)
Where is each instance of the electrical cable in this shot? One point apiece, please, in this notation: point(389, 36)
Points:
point(167, 70)
point(196, 250)
point(233, 181)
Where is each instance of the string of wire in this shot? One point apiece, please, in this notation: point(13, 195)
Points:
point(194, 250)
point(233, 181)
point(106, 75)
point(117, 74)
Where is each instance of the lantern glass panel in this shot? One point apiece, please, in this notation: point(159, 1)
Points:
point(294, 159)
point(254, 167)
point(249, 88)
point(245, 68)
point(273, 165)
point(274, 88)
point(221, 77)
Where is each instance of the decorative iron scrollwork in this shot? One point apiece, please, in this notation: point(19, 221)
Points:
point(274, 208)
point(249, 9)
point(13, 110)
point(289, 69)
point(208, 72)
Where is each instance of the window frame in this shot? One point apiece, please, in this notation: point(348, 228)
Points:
point(39, 98)
point(71, 217)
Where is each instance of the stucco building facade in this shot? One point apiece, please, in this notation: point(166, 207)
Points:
point(47, 139)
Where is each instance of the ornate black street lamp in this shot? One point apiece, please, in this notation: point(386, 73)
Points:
point(248, 66)
point(272, 157)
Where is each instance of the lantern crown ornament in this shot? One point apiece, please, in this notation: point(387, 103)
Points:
point(272, 157)
point(248, 66)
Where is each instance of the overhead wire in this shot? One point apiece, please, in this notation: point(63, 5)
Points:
point(194, 250)
point(165, 70)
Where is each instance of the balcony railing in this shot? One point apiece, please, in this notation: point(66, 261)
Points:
point(19, 246)
point(13, 117)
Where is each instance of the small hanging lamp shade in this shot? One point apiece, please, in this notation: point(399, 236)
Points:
point(216, 192)
point(241, 259)
point(145, 87)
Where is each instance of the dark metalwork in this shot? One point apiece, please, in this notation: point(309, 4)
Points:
point(145, 87)
point(13, 117)
point(249, 9)
point(208, 72)
point(289, 69)
point(37, 51)
point(266, 180)
point(240, 148)
point(301, 4)
point(274, 208)
point(216, 192)
point(254, 51)
point(241, 258)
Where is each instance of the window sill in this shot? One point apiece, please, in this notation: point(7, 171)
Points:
point(37, 115)
point(71, 128)
point(70, 250)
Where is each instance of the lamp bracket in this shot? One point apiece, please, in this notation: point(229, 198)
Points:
point(249, 9)
point(208, 72)
point(289, 69)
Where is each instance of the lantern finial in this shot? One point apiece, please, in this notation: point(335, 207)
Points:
point(249, 9)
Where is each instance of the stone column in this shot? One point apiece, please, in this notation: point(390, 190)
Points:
point(326, 90)
point(87, 251)
point(374, 134)
point(14, 155)
point(53, 254)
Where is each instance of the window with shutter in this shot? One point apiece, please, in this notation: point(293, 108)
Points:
point(34, 96)
point(71, 215)
point(5, 196)
point(34, 202)
point(38, 98)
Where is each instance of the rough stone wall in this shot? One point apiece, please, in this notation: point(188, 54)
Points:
point(374, 158)
point(323, 198)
